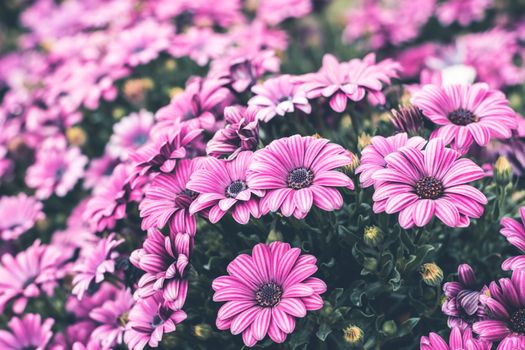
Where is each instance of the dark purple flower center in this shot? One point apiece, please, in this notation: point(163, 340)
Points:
point(235, 188)
point(300, 178)
point(185, 198)
point(268, 295)
point(517, 321)
point(140, 139)
point(163, 314)
point(30, 347)
point(462, 116)
point(429, 187)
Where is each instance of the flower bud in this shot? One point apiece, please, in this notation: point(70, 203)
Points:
point(76, 136)
point(203, 331)
point(363, 140)
point(389, 327)
point(353, 335)
point(502, 171)
point(431, 274)
point(373, 236)
point(135, 90)
point(274, 235)
point(370, 264)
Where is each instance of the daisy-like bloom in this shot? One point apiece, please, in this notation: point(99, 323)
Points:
point(129, 134)
point(343, 81)
point(109, 200)
point(459, 340)
point(514, 231)
point(506, 305)
point(462, 11)
point(241, 133)
point(275, 11)
point(422, 183)
point(148, 320)
point(298, 172)
point(93, 263)
point(373, 155)
point(221, 185)
point(278, 96)
point(466, 113)
point(164, 259)
point(19, 214)
point(266, 291)
point(168, 199)
point(56, 170)
point(463, 306)
point(407, 119)
point(111, 318)
point(28, 332)
point(29, 273)
point(99, 169)
point(200, 44)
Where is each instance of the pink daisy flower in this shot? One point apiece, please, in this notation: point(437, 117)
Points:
point(164, 259)
point(459, 340)
point(373, 155)
point(31, 272)
point(241, 133)
point(129, 134)
point(200, 44)
point(350, 80)
point(111, 318)
point(99, 169)
point(93, 263)
point(514, 231)
point(222, 186)
point(278, 96)
point(466, 113)
point(266, 291)
point(56, 169)
point(462, 11)
point(28, 332)
point(19, 214)
point(298, 172)
point(168, 199)
point(149, 320)
point(276, 11)
point(422, 183)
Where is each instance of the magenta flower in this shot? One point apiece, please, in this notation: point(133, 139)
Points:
point(275, 11)
point(99, 169)
point(241, 133)
point(422, 183)
point(298, 172)
point(200, 44)
point(278, 96)
point(373, 155)
point(462, 11)
point(266, 291)
point(506, 305)
point(93, 263)
point(149, 319)
point(28, 332)
point(466, 113)
point(164, 259)
point(167, 199)
point(110, 318)
point(222, 186)
point(350, 80)
point(31, 272)
point(129, 134)
point(19, 214)
point(56, 170)
point(463, 306)
point(459, 340)
point(514, 231)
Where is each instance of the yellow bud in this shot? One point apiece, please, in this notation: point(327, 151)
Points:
point(175, 91)
point(170, 65)
point(353, 334)
point(502, 171)
point(119, 113)
point(431, 274)
point(76, 136)
point(135, 89)
point(349, 169)
point(346, 121)
point(274, 235)
point(202, 330)
point(373, 236)
point(363, 140)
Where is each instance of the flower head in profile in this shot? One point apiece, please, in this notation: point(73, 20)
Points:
point(278, 96)
point(466, 113)
point(459, 340)
point(298, 172)
point(422, 183)
point(266, 291)
point(514, 231)
point(28, 332)
point(168, 199)
point(164, 259)
point(241, 133)
point(462, 305)
point(19, 214)
point(149, 320)
point(129, 134)
point(94, 262)
point(222, 186)
point(506, 306)
point(373, 155)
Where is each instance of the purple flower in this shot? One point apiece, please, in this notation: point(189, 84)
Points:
point(275, 11)
point(514, 231)
point(459, 340)
point(463, 306)
point(149, 320)
point(18, 214)
point(222, 186)
point(28, 332)
point(129, 134)
point(199, 44)
point(462, 11)
point(298, 172)
point(241, 133)
point(278, 96)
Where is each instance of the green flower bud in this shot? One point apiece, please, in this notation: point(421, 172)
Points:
point(274, 235)
point(389, 327)
point(370, 264)
point(502, 171)
point(431, 274)
point(202, 330)
point(373, 236)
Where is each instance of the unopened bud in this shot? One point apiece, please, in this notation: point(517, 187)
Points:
point(431, 274)
point(502, 171)
point(373, 236)
point(353, 335)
